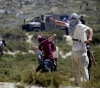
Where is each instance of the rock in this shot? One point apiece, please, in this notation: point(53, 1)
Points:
point(68, 39)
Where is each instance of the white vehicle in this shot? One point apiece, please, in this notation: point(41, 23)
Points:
point(32, 26)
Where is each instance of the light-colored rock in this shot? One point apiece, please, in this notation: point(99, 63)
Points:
point(68, 39)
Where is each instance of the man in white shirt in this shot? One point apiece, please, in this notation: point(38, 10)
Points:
point(79, 51)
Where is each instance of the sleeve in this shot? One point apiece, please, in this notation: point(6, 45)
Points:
point(84, 27)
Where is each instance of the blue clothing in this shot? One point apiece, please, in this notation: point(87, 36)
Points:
point(45, 65)
point(39, 53)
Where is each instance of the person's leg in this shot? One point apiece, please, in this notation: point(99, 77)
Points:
point(67, 32)
point(43, 26)
point(47, 64)
point(1, 50)
point(76, 67)
point(84, 65)
point(40, 59)
point(55, 64)
point(38, 68)
point(90, 63)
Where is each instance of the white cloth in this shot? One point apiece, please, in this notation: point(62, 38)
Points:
point(1, 43)
point(79, 54)
point(56, 53)
point(80, 59)
point(80, 34)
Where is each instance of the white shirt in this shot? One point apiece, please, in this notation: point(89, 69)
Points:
point(80, 34)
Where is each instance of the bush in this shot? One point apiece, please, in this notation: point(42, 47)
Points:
point(17, 45)
point(20, 86)
point(96, 39)
point(48, 79)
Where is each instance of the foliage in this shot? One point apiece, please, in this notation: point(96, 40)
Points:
point(64, 47)
point(96, 39)
point(48, 79)
point(21, 66)
point(20, 86)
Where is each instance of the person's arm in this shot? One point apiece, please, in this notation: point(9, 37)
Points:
point(93, 59)
point(52, 37)
point(61, 23)
point(90, 31)
point(33, 47)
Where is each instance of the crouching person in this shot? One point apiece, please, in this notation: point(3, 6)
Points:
point(47, 54)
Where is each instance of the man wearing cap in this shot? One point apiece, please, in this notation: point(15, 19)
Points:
point(79, 57)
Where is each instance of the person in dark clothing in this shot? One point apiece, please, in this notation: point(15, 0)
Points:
point(91, 58)
point(66, 19)
point(89, 52)
point(82, 20)
point(42, 21)
point(47, 53)
point(90, 61)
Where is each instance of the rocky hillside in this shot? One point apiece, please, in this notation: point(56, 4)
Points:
point(14, 11)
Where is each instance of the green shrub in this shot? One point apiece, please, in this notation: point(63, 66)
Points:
point(30, 78)
point(20, 86)
point(17, 45)
point(48, 79)
point(64, 47)
point(96, 39)
point(3, 78)
point(17, 77)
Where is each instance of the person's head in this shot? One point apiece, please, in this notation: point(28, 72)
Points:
point(81, 17)
point(74, 19)
point(40, 38)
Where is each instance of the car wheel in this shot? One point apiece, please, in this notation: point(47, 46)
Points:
point(37, 30)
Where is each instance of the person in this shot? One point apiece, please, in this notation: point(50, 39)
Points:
point(91, 58)
point(56, 55)
point(82, 20)
point(2, 43)
point(39, 53)
point(65, 19)
point(89, 51)
point(24, 20)
point(78, 32)
point(42, 21)
point(47, 53)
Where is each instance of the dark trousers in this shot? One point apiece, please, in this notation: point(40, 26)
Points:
point(90, 62)
point(42, 26)
point(45, 65)
point(54, 67)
